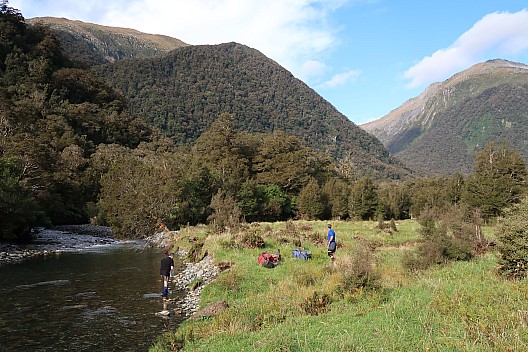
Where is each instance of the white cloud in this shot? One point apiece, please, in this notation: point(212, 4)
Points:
point(497, 35)
point(312, 69)
point(290, 32)
point(341, 79)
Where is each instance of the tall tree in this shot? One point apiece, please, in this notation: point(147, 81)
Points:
point(499, 180)
point(226, 152)
point(311, 204)
point(364, 199)
point(395, 200)
point(284, 160)
point(336, 192)
point(18, 208)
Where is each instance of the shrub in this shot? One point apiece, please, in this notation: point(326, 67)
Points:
point(195, 253)
point(358, 271)
point(448, 237)
point(316, 304)
point(307, 275)
point(229, 280)
point(251, 239)
point(513, 242)
point(392, 225)
point(196, 283)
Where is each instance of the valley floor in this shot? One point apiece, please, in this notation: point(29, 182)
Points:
point(313, 306)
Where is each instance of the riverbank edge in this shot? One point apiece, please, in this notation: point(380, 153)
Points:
point(191, 280)
point(12, 253)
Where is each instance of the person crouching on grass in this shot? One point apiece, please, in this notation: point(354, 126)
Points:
point(332, 245)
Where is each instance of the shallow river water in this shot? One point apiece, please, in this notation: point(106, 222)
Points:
point(102, 299)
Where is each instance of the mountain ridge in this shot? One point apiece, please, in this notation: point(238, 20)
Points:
point(105, 44)
point(443, 109)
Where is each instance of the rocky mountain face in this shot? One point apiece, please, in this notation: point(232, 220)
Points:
point(439, 131)
point(183, 92)
point(94, 44)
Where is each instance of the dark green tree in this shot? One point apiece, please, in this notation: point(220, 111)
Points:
point(18, 208)
point(138, 194)
point(311, 204)
point(513, 241)
point(336, 192)
point(363, 201)
point(499, 180)
point(251, 200)
point(278, 205)
point(285, 161)
point(225, 152)
point(395, 200)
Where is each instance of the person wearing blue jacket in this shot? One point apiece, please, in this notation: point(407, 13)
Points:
point(332, 244)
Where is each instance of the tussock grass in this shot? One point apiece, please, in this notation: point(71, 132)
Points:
point(463, 306)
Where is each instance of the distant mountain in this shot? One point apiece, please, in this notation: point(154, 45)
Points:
point(94, 44)
point(183, 91)
point(439, 131)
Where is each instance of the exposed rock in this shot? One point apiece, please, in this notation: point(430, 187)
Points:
point(204, 270)
point(163, 313)
point(52, 241)
point(162, 239)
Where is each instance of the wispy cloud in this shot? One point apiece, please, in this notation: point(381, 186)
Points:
point(313, 69)
point(340, 79)
point(290, 32)
point(497, 35)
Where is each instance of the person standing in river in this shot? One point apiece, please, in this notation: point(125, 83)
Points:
point(167, 265)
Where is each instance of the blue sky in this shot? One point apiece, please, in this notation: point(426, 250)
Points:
point(366, 57)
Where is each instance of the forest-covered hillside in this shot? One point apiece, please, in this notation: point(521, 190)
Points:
point(183, 92)
point(53, 119)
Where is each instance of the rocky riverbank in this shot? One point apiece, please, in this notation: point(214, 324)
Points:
point(55, 240)
point(191, 280)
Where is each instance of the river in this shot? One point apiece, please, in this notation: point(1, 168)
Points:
point(99, 299)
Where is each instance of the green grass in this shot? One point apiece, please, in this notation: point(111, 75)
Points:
point(462, 306)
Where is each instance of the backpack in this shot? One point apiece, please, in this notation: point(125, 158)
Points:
point(269, 260)
point(301, 253)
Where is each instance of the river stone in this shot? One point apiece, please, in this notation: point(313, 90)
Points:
point(163, 313)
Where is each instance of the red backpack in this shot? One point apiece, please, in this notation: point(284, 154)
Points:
point(268, 260)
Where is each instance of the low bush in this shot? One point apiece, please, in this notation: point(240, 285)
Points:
point(307, 275)
point(251, 239)
point(447, 237)
point(357, 270)
point(317, 303)
point(513, 242)
point(195, 253)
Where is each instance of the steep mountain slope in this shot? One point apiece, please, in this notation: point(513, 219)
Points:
point(439, 131)
point(185, 91)
point(94, 44)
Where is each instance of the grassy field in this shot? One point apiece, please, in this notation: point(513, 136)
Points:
point(316, 306)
